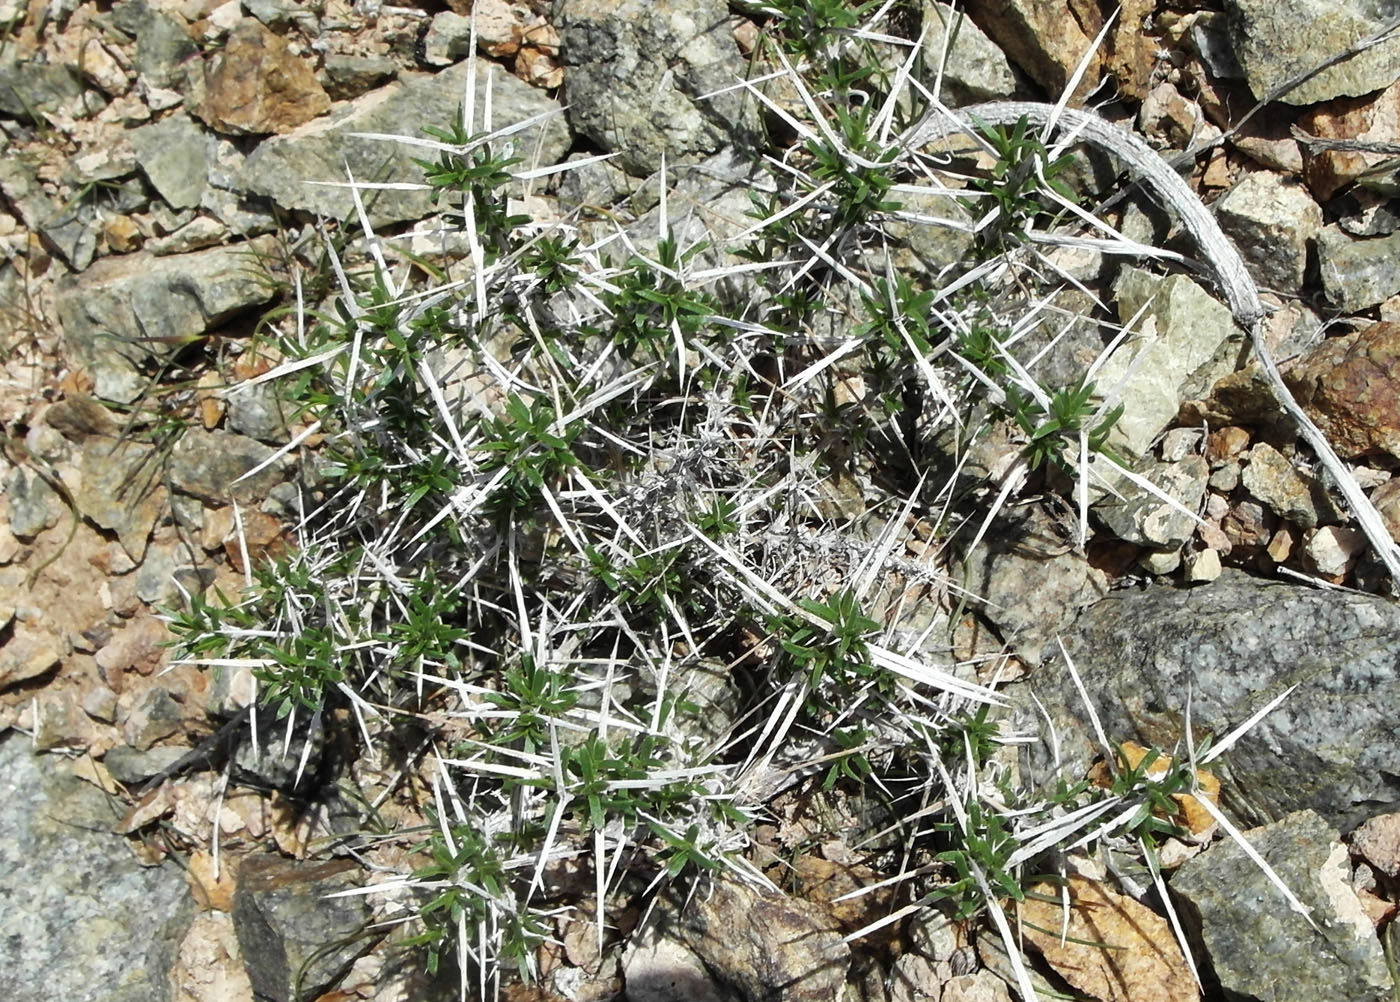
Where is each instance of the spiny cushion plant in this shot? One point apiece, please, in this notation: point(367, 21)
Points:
point(584, 513)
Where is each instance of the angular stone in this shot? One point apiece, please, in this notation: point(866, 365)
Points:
point(448, 39)
point(975, 69)
point(1235, 644)
point(1374, 119)
point(1259, 947)
point(1145, 519)
point(205, 464)
point(1046, 40)
point(1333, 550)
point(1378, 842)
point(141, 646)
point(255, 85)
point(1357, 274)
point(636, 73)
point(154, 715)
point(29, 87)
point(296, 942)
point(27, 654)
point(72, 232)
point(1272, 223)
point(765, 945)
point(1272, 479)
point(165, 52)
point(1276, 40)
point(123, 311)
point(34, 505)
point(1178, 343)
point(983, 986)
point(173, 154)
point(1114, 948)
point(119, 490)
point(73, 889)
point(350, 76)
point(1350, 386)
point(281, 167)
point(131, 766)
point(1032, 585)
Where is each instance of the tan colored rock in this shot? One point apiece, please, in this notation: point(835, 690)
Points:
point(208, 967)
point(256, 86)
point(1202, 565)
point(1135, 957)
point(1045, 39)
point(261, 539)
point(1282, 545)
point(138, 647)
point(1378, 842)
point(1351, 387)
point(27, 655)
point(1333, 550)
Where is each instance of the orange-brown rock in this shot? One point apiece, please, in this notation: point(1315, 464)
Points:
point(1374, 118)
point(1351, 387)
point(1115, 949)
point(257, 86)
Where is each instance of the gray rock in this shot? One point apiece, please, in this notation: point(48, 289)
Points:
point(449, 39)
point(1276, 40)
point(1357, 274)
point(1234, 645)
point(706, 210)
point(173, 154)
point(1181, 341)
point(119, 490)
point(165, 52)
point(167, 569)
point(1272, 223)
point(205, 464)
point(657, 968)
point(1271, 478)
point(225, 198)
point(297, 942)
point(73, 894)
point(29, 88)
point(257, 411)
point(72, 232)
point(1259, 947)
point(763, 946)
point(22, 190)
point(124, 311)
point(976, 69)
point(636, 72)
point(34, 505)
point(350, 76)
point(280, 13)
point(133, 765)
point(282, 167)
point(156, 715)
point(1145, 519)
point(1031, 583)
point(918, 224)
point(276, 763)
point(1209, 38)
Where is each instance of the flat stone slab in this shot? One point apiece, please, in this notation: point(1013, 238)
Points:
point(1232, 646)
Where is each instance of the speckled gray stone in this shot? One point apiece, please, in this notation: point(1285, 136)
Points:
point(1259, 947)
point(80, 919)
point(1234, 645)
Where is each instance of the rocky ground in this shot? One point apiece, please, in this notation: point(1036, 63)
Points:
point(157, 227)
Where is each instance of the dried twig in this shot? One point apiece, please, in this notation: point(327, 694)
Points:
point(1218, 253)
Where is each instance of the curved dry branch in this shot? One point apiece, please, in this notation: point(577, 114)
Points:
point(1218, 253)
